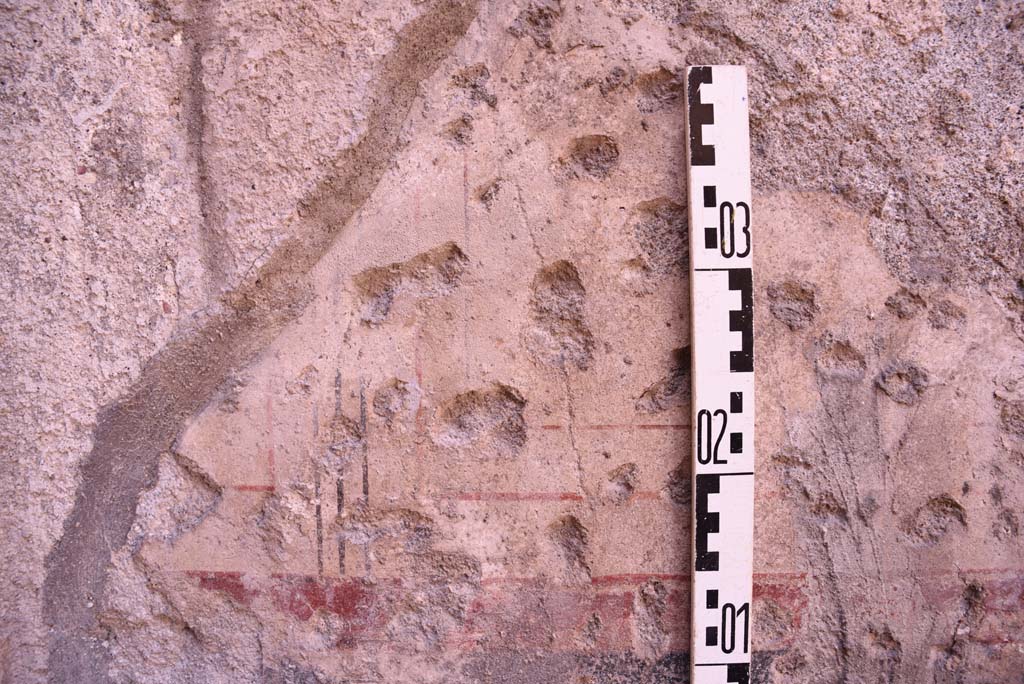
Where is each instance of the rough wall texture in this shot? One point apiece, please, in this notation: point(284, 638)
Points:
point(348, 342)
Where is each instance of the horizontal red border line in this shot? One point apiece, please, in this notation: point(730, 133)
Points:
point(512, 496)
point(621, 426)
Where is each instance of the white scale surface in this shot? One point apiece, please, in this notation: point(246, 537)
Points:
point(721, 225)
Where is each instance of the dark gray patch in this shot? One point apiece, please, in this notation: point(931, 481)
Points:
point(230, 395)
point(952, 666)
point(304, 382)
point(343, 439)
point(537, 21)
point(615, 79)
point(621, 482)
point(904, 382)
point(661, 228)
point(791, 457)
point(650, 603)
point(473, 79)
point(1006, 526)
point(572, 540)
point(672, 390)
point(561, 336)
point(490, 417)
point(788, 664)
point(116, 153)
point(905, 303)
point(679, 485)
point(590, 156)
point(199, 35)
point(391, 398)
point(362, 525)
point(431, 274)
point(937, 518)
point(838, 360)
point(886, 650)
point(869, 506)
point(513, 667)
point(460, 130)
point(629, 668)
point(793, 302)
point(660, 89)
point(291, 673)
point(995, 492)
point(1011, 417)
point(945, 315)
point(773, 620)
point(487, 193)
point(826, 505)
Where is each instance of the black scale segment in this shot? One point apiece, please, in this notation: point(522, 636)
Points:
point(710, 196)
point(738, 673)
point(707, 523)
point(742, 321)
point(711, 238)
point(735, 442)
point(711, 232)
point(700, 114)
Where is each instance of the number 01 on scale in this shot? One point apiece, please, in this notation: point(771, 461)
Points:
point(722, 345)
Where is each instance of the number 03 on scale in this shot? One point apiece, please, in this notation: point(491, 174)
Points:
point(722, 344)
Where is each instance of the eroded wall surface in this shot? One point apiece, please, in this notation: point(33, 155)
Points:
point(348, 342)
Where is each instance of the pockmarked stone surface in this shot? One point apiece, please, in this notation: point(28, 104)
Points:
point(350, 341)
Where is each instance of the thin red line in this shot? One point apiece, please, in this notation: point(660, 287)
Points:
point(657, 426)
point(622, 426)
point(631, 426)
point(513, 496)
point(214, 573)
point(253, 488)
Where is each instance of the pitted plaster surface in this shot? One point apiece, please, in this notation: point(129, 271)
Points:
point(349, 342)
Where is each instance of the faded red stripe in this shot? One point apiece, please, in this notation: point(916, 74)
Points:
point(253, 488)
point(513, 496)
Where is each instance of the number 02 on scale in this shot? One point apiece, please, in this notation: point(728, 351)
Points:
point(722, 344)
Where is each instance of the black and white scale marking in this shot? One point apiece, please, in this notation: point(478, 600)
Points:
point(722, 343)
